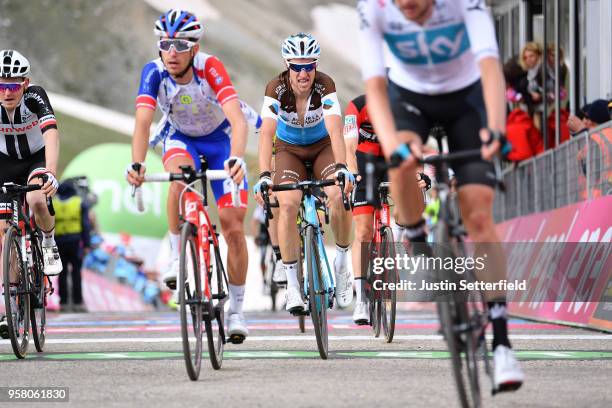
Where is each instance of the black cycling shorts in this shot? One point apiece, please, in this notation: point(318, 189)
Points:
point(17, 171)
point(360, 204)
point(461, 113)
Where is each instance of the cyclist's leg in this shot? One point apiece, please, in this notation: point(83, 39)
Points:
point(177, 151)
point(475, 181)
point(341, 221)
point(289, 168)
point(410, 111)
point(216, 148)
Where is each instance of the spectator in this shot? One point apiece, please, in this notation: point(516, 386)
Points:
point(591, 116)
point(531, 61)
point(72, 236)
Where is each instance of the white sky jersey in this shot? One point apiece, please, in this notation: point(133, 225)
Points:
point(195, 108)
point(21, 133)
point(439, 57)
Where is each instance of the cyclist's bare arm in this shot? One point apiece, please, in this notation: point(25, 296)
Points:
point(52, 146)
point(351, 158)
point(140, 141)
point(266, 137)
point(379, 111)
point(493, 88)
point(334, 126)
point(239, 125)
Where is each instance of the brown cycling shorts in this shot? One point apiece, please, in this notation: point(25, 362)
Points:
point(289, 161)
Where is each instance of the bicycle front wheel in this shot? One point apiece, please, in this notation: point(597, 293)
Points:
point(190, 300)
point(317, 295)
point(38, 298)
point(16, 296)
point(388, 303)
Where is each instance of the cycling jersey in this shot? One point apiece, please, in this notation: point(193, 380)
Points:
point(280, 104)
point(357, 125)
point(21, 133)
point(438, 57)
point(194, 109)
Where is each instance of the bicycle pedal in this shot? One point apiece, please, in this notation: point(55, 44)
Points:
point(236, 339)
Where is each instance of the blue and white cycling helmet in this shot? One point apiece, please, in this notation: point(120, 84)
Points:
point(300, 46)
point(178, 23)
point(13, 64)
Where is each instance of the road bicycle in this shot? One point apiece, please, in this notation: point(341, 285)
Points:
point(463, 315)
point(318, 281)
point(382, 303)
point(25, 286)
point(202, 281)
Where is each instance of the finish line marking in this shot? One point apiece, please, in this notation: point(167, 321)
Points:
point(266, 354)
point(427, 337)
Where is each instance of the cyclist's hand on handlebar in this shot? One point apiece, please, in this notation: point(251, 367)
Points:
point(342, 173)
point(49, 182)
point(236, 168)
point(424, 181)
point(493, 143)
point(405, 155)
point(265, 180)
point(134, 174)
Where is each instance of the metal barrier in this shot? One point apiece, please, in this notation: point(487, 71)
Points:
point(578, 170)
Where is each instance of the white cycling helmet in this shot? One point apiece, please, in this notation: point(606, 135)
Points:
point(300, 46)
point(176, 23)
point(13, 64)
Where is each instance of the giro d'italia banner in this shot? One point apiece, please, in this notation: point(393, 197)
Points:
point(116, 212)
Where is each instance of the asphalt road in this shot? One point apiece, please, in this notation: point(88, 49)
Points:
point(124, 360)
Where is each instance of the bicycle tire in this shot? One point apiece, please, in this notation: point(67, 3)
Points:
point(455, 327)
point(215, 334)
point(388, 305)
point(38, 298)
point(373, 297)
point(18, 321)
point(300, 275)
point(190, 300)
point(317, 297)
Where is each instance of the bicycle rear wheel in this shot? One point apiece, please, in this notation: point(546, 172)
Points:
point(16, 297)
point(190, 301)
point(317, 296)
point(38, 298)
point(388, 304)
point(214, 320)
point(373, 296)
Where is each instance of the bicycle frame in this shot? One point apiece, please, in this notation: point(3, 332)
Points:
point(310, 217)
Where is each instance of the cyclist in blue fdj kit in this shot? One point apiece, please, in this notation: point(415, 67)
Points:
point(444, 69)
point(201, 110)
point(301, 107)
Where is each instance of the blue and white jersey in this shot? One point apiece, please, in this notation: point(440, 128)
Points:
point(280, 104)
point(438, 57)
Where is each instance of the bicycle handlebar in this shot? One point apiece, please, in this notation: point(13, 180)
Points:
point(16, 189)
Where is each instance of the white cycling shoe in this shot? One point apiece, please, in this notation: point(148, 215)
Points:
point(171, 274)
point(508, 373)
point(280, 275)
point(344, 285)
point(361, 314)
point(237, 329)
point(51, 259)
point(295, 303)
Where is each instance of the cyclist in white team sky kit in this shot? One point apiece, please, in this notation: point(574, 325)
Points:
point(444, 68)
point(201, 110)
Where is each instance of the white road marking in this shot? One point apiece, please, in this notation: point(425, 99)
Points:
point(271, 339)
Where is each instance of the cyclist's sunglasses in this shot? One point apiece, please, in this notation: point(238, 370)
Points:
point(178, 44)
point(11, 86)
point(306, 67)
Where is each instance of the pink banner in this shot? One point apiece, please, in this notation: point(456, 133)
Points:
point(100, 295)
point(574, 273)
